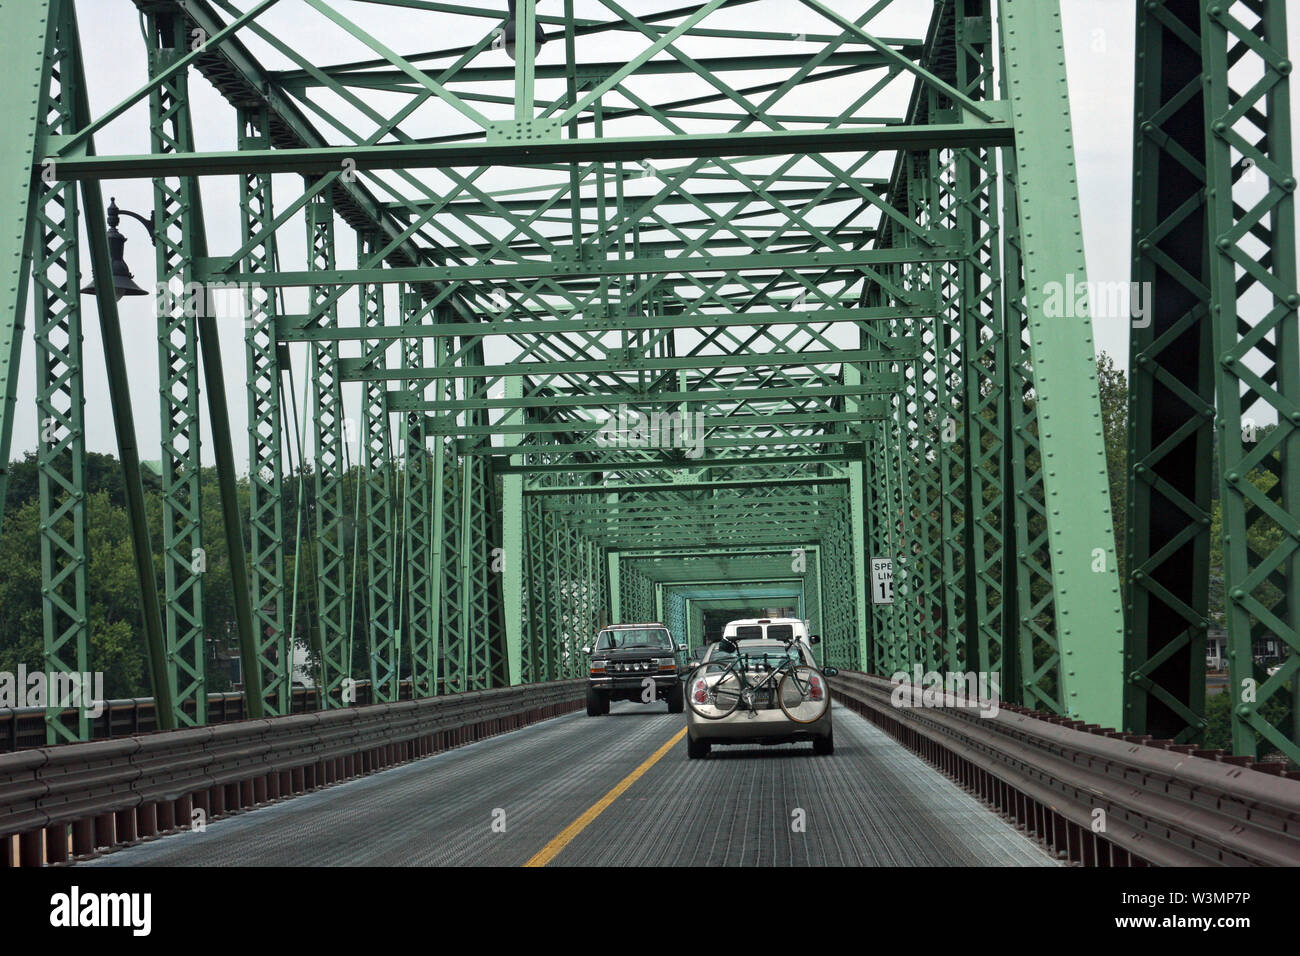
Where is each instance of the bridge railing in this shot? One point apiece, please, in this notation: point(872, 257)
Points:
point(1095, 795)
point(24, 727)
point(76, 800)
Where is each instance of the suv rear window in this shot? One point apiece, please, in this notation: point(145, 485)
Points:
point(780, 632)
point(655, 637)
point(749, 632)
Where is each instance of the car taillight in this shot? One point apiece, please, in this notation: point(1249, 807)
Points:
point(699, 693)
point(815, 685)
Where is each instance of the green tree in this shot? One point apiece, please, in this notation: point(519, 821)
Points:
point(1112, 384)
point(116, 644)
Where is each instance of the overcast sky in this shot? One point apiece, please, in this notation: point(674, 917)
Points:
point(1099, 54)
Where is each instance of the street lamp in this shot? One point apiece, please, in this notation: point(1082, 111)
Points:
point(507, 38)
point(122, 280)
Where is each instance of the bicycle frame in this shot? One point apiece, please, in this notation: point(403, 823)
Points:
point(773, 676)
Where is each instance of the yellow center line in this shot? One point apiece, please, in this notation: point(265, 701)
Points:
point(547, 853)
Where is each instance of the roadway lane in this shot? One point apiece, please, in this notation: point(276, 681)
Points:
point(501, 801)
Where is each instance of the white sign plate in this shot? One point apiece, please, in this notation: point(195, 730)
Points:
point(882, 580)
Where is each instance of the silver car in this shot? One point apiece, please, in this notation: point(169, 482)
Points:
point(758, 717)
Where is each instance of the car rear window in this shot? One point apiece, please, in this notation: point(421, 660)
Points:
point(760, 651)
point(780, 632)
point(749, 632)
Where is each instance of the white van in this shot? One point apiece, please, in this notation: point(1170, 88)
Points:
point(768, 628)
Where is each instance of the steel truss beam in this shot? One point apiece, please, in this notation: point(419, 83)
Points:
point(1171, 385)
point(851, 304)
point(1255, 338)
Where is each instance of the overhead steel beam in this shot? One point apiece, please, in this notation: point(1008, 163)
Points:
point(332, 159)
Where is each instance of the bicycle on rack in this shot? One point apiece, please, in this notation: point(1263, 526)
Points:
point(716, 689)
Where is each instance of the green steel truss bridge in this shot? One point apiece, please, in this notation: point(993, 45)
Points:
point(577, 311)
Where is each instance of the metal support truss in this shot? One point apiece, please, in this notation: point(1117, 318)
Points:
point(1250, 185)
point(60, 393)
point(184, 555)
point(626, 349)
point(334, 618)
point(1171, 384)
point(266, 476)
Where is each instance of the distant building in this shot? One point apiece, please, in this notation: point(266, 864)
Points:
point(1216, 648)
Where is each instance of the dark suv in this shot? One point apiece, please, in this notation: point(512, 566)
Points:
point(638, 662)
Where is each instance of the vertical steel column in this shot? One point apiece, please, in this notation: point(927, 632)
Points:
point(983, 427)
point(1256, 339)
point(119, 395)
point(1171, 384)
point(1029, 625)
point(380, 483)
point(537, 617)
point(615, 584)
point(513, 544)
point(332, 617)
point(927, 532)
point(447, 500)
point(265, 427)
point(556, 530)
point(29, 26)
point(178, 303)
point(477, 581)
point(422, 478)
point(859, 536)
point(1089, 621)
point(60, 395)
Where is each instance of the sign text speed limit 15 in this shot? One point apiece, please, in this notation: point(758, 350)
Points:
point(882, 580)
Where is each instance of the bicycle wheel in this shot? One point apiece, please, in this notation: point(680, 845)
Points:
point(803, 694)
point(713, 690)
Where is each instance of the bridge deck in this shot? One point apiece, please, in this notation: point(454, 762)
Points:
point(873, 803)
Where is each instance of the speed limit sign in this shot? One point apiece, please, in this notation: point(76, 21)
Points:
point(882, 580)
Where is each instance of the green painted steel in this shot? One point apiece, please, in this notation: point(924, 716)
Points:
point(626, 351)
point(184, 553)
point(385, 643)
point(1255, 337)
point(266, 435)
point(1088, 617)
point(1171, 405)
point(60, 391)
point(334, 619)
point(21, 109)
point(422, 528)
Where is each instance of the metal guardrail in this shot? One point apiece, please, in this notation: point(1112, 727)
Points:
point(24, 727)
point(76, 800)
point(1160, 803)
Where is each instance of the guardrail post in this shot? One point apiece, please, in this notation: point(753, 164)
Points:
point(166, 816)
point(105, 830)
point(56, 844)
point(83, 838)
point(146, 818)
point(126, 826)
point(31, 848)
point(184, 810)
